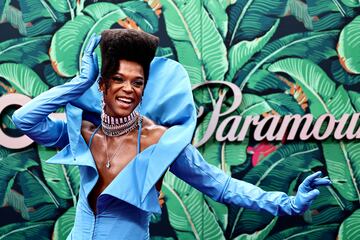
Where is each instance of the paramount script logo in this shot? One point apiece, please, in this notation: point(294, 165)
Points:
point(233, 127)
point(273, 127)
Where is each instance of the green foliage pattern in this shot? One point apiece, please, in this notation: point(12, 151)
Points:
point(287, 57)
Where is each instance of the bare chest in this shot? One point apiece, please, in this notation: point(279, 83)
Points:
point(110, 162)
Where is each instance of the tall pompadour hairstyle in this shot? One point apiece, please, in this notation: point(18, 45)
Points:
point(129, 44)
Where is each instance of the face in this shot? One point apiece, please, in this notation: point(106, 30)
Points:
point(125, 90)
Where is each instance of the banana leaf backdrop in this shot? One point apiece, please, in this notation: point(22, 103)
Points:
point(287, 57)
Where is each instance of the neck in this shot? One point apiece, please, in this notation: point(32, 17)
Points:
point(116, 126)
point(106, 118)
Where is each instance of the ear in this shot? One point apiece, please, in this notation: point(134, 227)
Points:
point(102, 85)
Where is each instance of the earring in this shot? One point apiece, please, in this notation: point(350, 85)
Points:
point(102, 104)
point(140, 115)
point(139, 107)
point(99, 80)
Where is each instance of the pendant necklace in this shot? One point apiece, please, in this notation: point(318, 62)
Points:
point(118, 126)
point(108, 160)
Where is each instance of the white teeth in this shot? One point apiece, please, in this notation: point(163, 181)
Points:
point(125, 100)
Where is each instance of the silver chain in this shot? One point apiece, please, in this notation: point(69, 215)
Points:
point(108, 160)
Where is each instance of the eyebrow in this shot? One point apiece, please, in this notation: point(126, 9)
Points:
point(135, 77)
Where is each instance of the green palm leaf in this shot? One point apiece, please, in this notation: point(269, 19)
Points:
point(321, 8)
point(258, 235)
point(224, 154)
point(28, 51)
point(64, 224)
point(63, 6)
point(220, 212)
point(241, 52)
point(14, 17)
point(69, 41)
point(188, 213)
point(7, 122)
point(316, 232)
point(142, 14)
point(273, 173)
point(349, 47)
point(39, 17)
point(217, 11)
point(313, 46)
point(329, 15)
point(330, 22)
point(35, 190)
point(13, 168)
point(328, 207)
point(202, 126)
point(44, 212)
point(284, 104)
point(343, 166)
point(4, 152)
point(63, 180)
point(300, 10)
point(11, 164)
point(351, 3)
point(66, 44)
point(51, 77)
point(340, 75)
point(252, 105)
point(166, 52)
point(23, 79)
point(17, 202)
point(355, 99)
point(191, 29)
point(342, 162)
point(317, 86)
point(250, 19)
point(261, 80)
point(349, 228)
point(3, 6)
point(27, 230)
point(328, 215)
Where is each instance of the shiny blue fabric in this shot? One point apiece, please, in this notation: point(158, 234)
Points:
point(168, 86)
point(126, 204)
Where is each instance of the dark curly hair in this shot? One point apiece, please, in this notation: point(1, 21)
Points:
point(129, 44)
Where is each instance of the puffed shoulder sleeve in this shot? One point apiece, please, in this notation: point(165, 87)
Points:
point(210, 180)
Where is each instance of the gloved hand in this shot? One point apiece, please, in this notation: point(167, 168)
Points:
point(89, 69)
point(32, 119)
point(193, 169)
point(307, 191)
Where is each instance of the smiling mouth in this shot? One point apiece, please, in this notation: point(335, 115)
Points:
point(126, 102)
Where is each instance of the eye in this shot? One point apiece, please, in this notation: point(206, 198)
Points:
point(138, 83)
point(118, 79)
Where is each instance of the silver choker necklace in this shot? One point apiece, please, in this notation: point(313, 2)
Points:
point(117, 126)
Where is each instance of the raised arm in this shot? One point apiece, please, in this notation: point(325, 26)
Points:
point(193, 169)
point(33, 120)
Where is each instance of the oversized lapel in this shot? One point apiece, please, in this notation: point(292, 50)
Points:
point(128, 185)
point(77, 151)
point(168, 101)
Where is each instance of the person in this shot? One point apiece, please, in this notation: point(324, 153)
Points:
point(126, 130)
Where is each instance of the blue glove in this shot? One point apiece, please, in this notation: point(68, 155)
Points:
point(89, 69)
point(307, 191)
point(33, 120)
point(210, 180)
